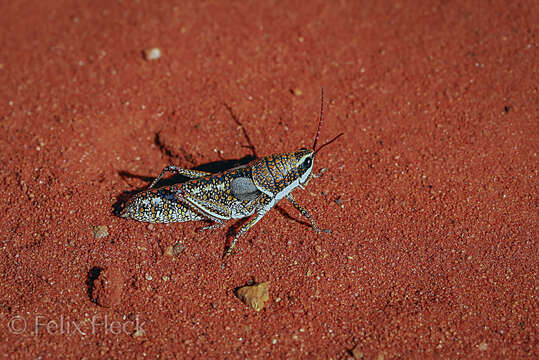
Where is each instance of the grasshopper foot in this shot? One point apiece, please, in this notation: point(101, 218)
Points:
point(226, 256)
point(211, 227)
point(327, 231)
point(227, 253)
point(319, 174)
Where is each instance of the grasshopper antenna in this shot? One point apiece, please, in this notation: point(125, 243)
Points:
point(320, 126)
point(329, 142)
point(320, 121)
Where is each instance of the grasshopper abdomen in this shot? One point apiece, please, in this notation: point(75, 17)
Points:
point(159, 206)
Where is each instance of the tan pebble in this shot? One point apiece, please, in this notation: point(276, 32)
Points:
point(254, 296)
point(138, 333)
point(177, 249)
point(356, 353)
point(100, 231)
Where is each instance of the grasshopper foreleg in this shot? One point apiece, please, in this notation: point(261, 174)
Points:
point(193, 174)
point(304, 212)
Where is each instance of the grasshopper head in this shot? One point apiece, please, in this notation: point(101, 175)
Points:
point(304, 165)
point(277, 175)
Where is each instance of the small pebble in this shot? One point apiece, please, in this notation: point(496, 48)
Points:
point(254, 296)
point(298, 92)
point(100, 231)
point(357, 354)
point(152, 54)
point(138, 333)
point(177, 249)
point(174, 250)
point(483, 346)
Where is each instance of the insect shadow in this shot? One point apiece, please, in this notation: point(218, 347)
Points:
point(290, 217)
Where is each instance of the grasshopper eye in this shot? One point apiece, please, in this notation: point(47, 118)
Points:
point(306, 163)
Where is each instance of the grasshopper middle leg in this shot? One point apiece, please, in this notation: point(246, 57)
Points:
point(249, 224)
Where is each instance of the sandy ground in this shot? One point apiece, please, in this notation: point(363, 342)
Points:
point(432, 193)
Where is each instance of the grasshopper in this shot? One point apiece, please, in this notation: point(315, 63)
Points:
point(233, 194)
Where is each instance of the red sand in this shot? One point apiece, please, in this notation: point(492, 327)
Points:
point(431, 194)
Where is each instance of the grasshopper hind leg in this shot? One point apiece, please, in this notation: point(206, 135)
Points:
point(192, 174)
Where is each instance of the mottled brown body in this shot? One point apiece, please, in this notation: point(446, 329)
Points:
point(241, 192)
